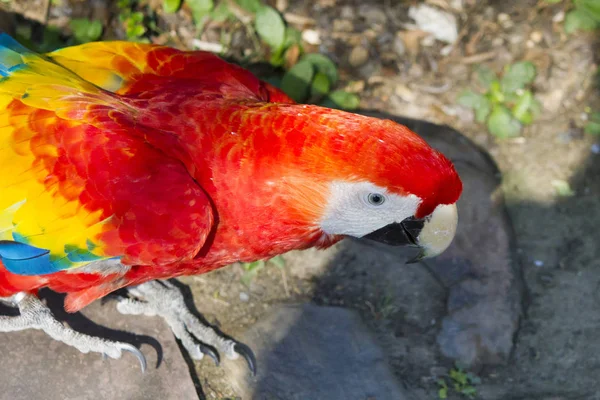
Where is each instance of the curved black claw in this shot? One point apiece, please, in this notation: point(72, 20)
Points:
point(134, 350)
point(210, 352)
point(247, 353)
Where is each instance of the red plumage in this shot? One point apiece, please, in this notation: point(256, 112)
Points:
point(194, 163)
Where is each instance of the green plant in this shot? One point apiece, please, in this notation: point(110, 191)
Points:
point(460, 381)
point(135, 22)
point(584, 16)
point(592, 126)
point(85, 30)
point(508, 102)
point(309, 80)
point(252, 269)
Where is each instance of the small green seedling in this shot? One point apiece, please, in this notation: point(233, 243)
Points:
point(252, 269)
point(585, 15)
point(460, 382)
point(592, 126)
point(134, 22)
point(85, 30)
point(508, 102)
point(311, 80)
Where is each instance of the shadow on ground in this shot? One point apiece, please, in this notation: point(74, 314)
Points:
point(531, 333)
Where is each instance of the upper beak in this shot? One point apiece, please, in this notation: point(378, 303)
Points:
point(432, 234)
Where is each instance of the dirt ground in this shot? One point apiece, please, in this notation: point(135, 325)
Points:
point(557, 350)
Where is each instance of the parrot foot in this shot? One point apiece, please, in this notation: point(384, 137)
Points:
point(164, 299)
point(36, 315)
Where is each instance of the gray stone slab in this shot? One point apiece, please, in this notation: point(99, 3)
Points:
point(480, 269)
point(311, 352)
point(36, 367)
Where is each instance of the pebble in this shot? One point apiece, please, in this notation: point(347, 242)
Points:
point(536, 36)
point(595, 148)
point(399, 46)
point(311, 36)
point(244, 297)
point(559, 17)
point(347, 12)
point(342, 25)
point(405, 93)
point(372, 15)
point(358, 56)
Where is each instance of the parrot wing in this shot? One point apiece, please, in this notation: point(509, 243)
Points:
point(127, 68)
point(78, 181)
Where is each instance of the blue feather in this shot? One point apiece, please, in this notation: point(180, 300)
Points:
point(10, 55)
point(23, 259)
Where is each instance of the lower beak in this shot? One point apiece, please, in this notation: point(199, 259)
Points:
point(432, 234)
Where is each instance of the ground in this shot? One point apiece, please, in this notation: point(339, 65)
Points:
point(556, 352)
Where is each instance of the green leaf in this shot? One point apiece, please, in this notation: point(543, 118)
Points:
point(592, 128)
point(517, 76)
point(495, 94)
point(553, 1)
point(319, 88)
point(279, 261)
point(297, 81)
point(254, 266)
point(200, 8)
point(579, 19)
point(591, 7)
point(250, 5)
point(522, 107)
point(221, 12)
point(292, 36)
point(562, 188)
point(85, 30)
point(443, 393)
point(480, 103)
point(482, 112)
point(323, 65)
point(470, 99)
point(502, 124)
point(270, 27)
point(342, 99)
point(171, 6)
point(486, 76)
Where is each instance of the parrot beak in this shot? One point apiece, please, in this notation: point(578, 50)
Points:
point(432, 234)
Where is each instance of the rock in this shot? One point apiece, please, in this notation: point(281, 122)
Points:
point(485, 290)
point(398, 45)
point(312, 352)
point(342, 25)
point(441, 24)
point(358, 56)
point(311, 36)
point(372, 14)
point(35, 366)
point(483, 278)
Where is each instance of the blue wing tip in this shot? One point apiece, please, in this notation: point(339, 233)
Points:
point(10, 55)
point(23, 259)
point(8, 42)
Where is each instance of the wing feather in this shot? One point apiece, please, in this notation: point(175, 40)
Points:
point(77, 185)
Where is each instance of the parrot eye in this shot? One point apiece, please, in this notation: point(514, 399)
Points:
point(376, 199)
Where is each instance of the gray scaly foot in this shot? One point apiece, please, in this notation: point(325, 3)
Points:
point(36, 315)
point(164, 299)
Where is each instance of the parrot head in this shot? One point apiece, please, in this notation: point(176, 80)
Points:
point(370, 178)
point(316, 175)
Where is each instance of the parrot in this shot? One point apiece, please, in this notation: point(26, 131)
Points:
point(124, 165)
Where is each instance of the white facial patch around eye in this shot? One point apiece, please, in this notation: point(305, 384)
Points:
point(352, 211)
